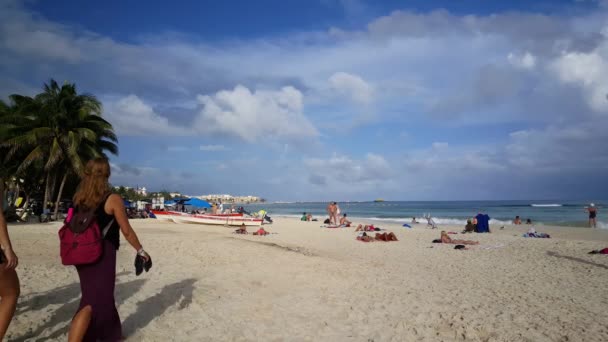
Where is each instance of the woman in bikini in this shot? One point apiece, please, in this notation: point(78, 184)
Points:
point(379, 237)
point(445, 238)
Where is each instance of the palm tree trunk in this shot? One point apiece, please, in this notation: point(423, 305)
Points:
point(2, 191)
point(46, 189)
point(53, 186)
point(65, 177)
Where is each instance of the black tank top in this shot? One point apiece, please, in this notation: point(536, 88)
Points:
point(113, 235)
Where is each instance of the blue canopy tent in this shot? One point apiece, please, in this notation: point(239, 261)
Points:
point(127, 203)
point(483, 223)
point(197, 203)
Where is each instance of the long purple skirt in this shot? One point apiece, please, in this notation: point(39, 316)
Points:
point(97, 286)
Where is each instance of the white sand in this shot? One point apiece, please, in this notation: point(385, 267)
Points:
point(311, 284)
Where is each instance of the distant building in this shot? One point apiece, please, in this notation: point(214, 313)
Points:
point(141, 191)
point(224, 198)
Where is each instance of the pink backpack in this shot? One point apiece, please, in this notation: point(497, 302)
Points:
point(81, 239)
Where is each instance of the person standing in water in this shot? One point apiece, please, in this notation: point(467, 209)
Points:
point(592, 215)
point(9, 282)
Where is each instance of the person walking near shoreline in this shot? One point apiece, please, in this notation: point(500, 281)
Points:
point(9, 281)
point(97, 317)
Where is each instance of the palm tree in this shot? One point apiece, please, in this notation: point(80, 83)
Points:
point(10, 176)
point(62, 128)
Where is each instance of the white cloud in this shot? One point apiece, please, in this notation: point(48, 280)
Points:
point(525, 61)
point(252, 116)
point(213, 148)
point(440, 145)
point(131, 116)
point(352, 86)
point(342, 169)
point(466, 60)
point(589, 71)
point(177, 148)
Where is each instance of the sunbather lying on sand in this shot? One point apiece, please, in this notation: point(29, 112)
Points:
point(379, 237)
point(366, 228)
point(261, 231)
point(445, 238)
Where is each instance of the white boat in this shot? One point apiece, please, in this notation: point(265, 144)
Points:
point(219, 219)
point(166, 215)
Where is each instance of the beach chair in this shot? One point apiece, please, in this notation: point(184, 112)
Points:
point(430, 222)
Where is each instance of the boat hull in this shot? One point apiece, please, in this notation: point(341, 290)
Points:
point(209, 219)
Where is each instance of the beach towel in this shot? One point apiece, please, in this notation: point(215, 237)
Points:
point(407, 225)
point(536, 235)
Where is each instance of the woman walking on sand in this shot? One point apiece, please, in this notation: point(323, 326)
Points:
point(97, 317)
point(9, 282)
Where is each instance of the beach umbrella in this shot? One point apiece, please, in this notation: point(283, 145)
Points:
point(197, 203)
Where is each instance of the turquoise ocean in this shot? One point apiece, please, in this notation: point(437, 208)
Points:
point(562, 213)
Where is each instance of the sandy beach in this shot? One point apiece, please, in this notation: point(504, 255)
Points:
point(306, 283)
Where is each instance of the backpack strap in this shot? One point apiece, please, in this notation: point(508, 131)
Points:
point(106, 229)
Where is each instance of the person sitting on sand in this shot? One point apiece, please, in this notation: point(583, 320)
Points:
point(303, 218)
point(445, 238)
point(469, 228)
point(309, 217)
point(517, 220)
point(344, 221)
point(261, 231)
point(242, 229)
point(414, 220)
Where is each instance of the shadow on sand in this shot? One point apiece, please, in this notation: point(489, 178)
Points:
point(155, 306)
point(557, 255)
point(70, 297)
point(39, 300)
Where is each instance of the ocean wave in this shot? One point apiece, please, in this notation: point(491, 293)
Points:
point(602, 225)
point(546, 205)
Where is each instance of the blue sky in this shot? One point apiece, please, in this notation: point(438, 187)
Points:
point(333, 99)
